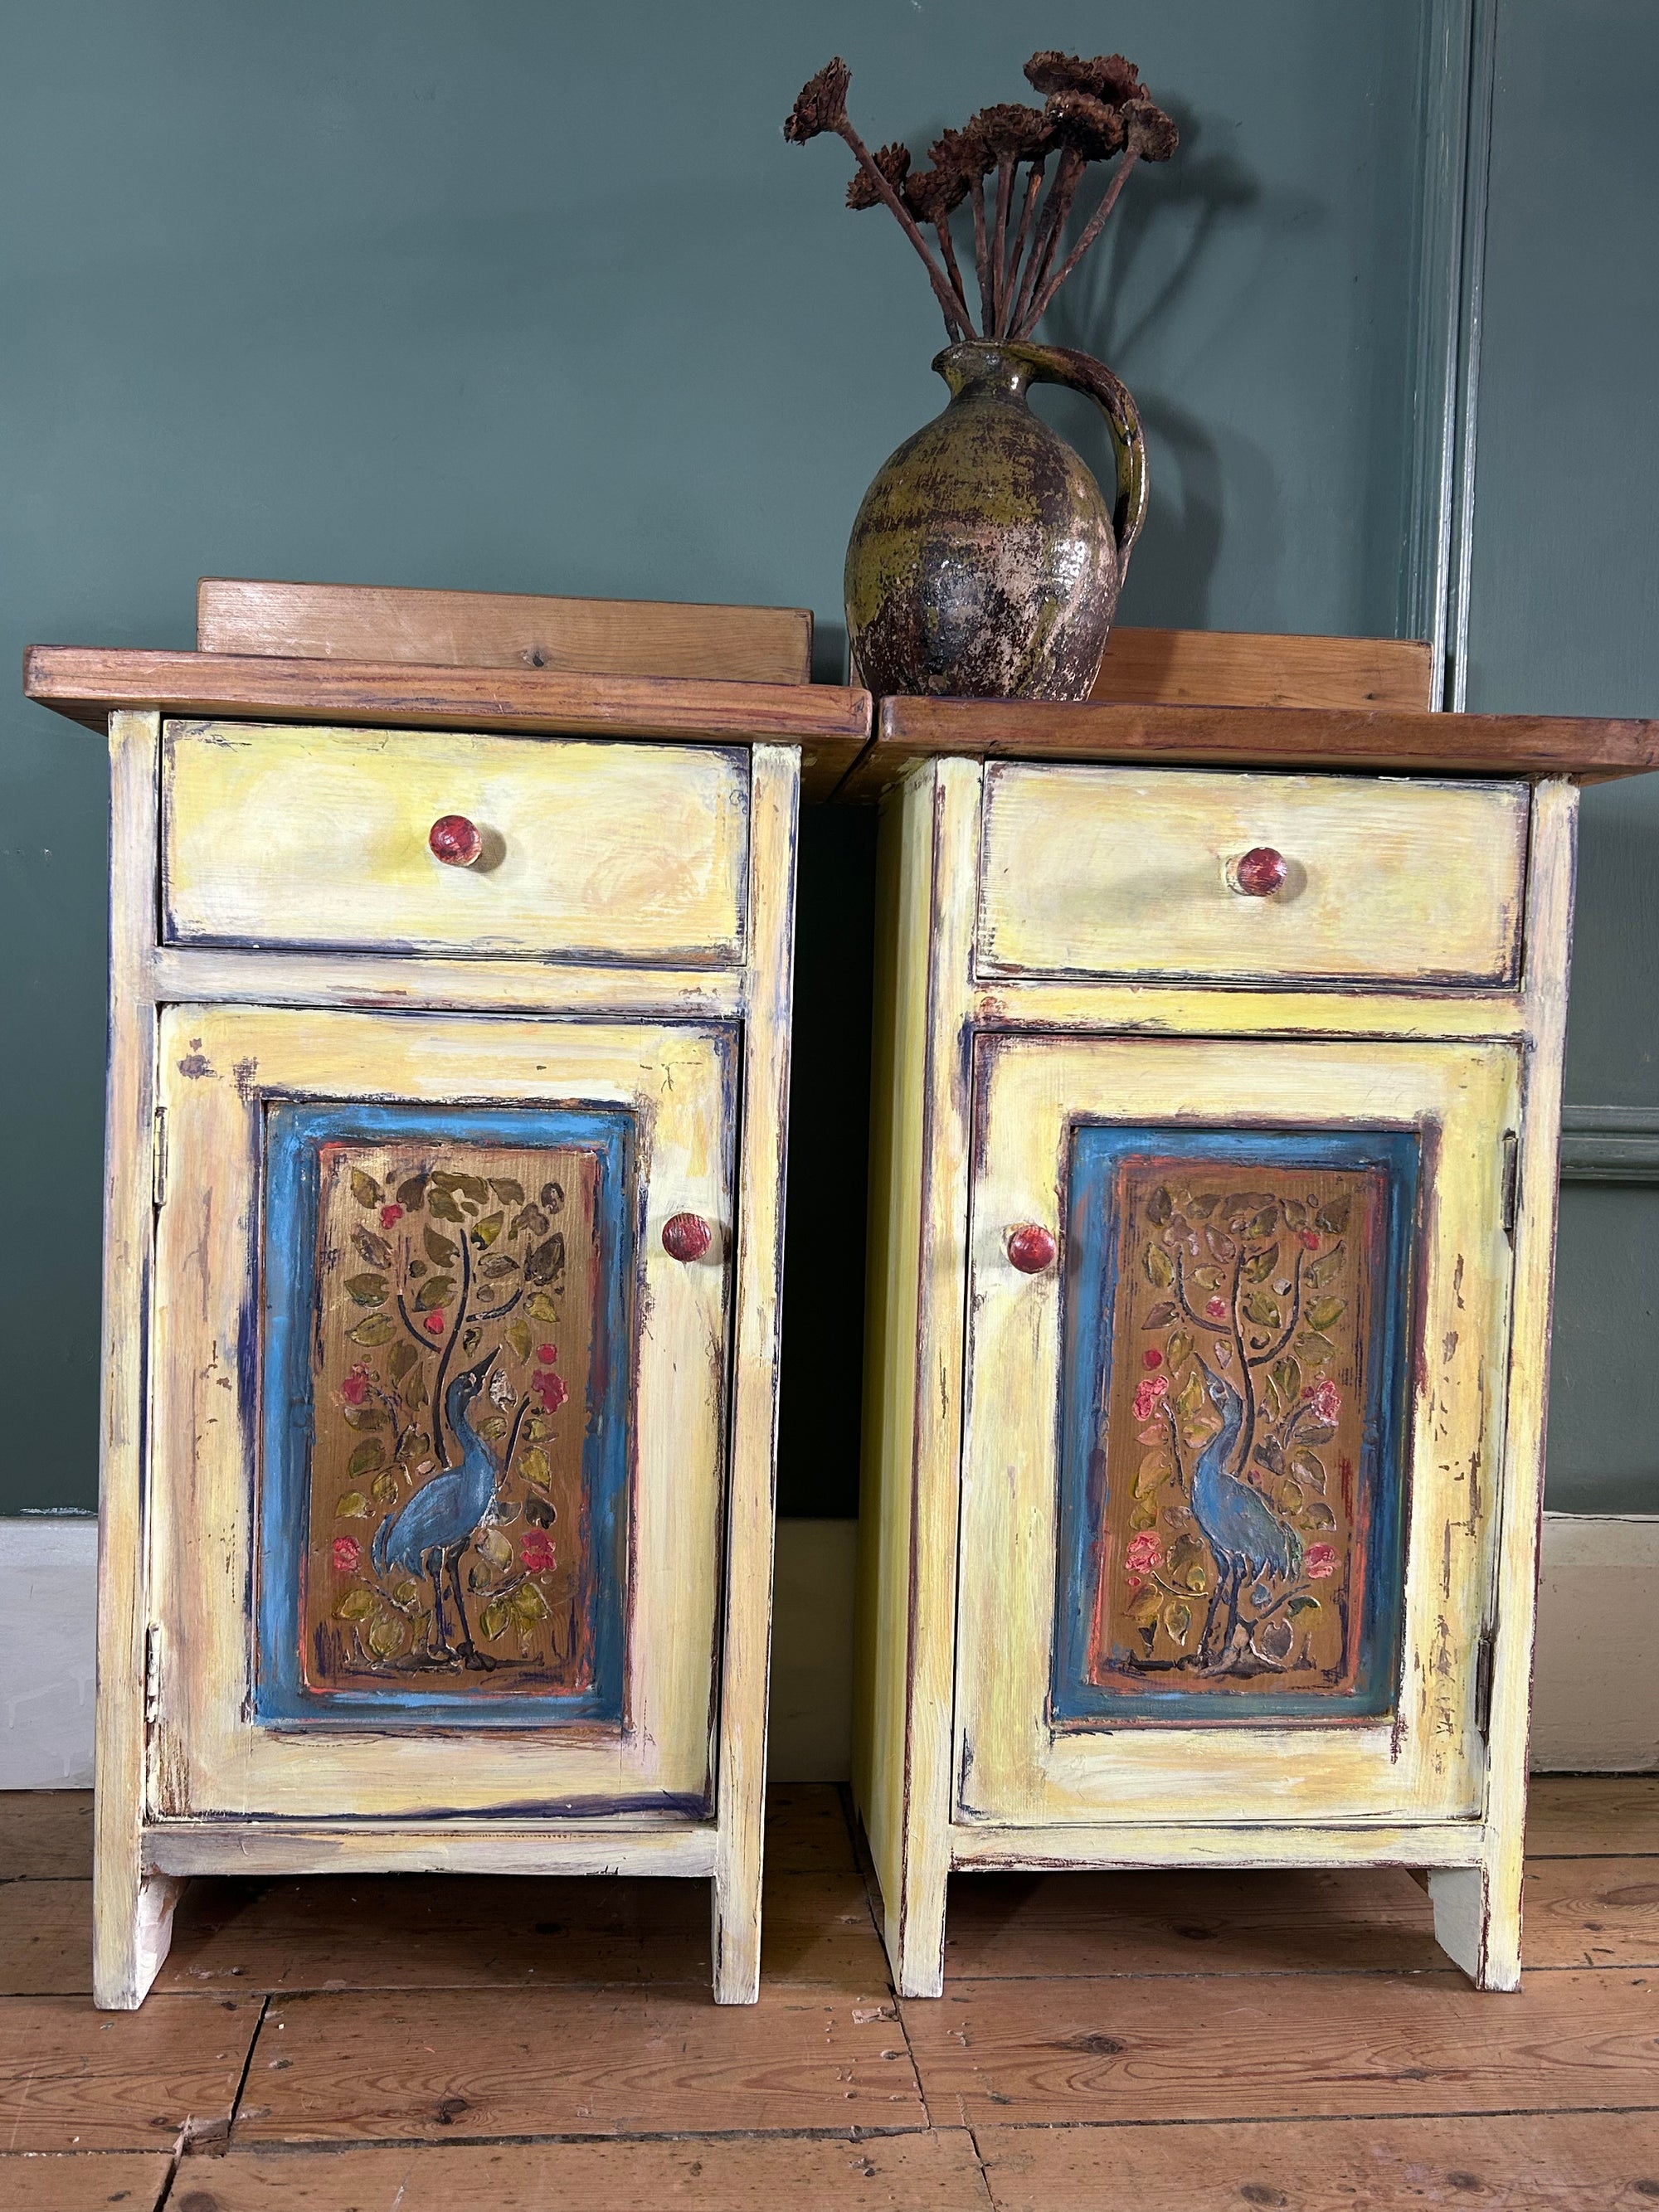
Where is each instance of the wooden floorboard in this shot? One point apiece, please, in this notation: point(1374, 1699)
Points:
point(71, 2078)
point(788, 2173)
point(1564, 2162)
point(1246, 2046)
point(76, 2181)
point(1119, 2042)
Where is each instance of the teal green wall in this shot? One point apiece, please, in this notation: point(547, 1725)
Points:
point(533, 296)
point(1565, 618)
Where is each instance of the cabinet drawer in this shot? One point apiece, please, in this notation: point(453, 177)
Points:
point(1128, 873)
point(274, 836)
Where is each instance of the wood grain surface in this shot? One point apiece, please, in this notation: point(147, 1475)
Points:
point(69, 2181)
point(45, 1832)
point(871, 2173)
point(1575, 1815)
point(1561, 2162)
point(502, 629)
point(71, 2078)
point(1302, 2045)
point(829, 722)
point(1247, 668)
point(1395, 741)
point(575, 2062)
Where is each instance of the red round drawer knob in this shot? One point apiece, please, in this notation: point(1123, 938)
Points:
point(1030, 1247)
point(454, 841)
point(686, 1236)
point(1259, 872)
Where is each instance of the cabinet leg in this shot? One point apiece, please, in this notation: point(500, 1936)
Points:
point(913, 1932)
point(736, 1940)
point(1477, 1921)
point(132, 1932)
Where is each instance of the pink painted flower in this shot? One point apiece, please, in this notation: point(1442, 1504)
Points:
point(551, 1389)
point(355, 1389)
point(1134, 1585)
point(389, 1214)
point(1320, 1562)
point(434, 1324)
point(1324, 1403)
point(1147, 1395)
point(547, 1353)
point(1216, 1309)
point(1309, 1238)
point(1152, 1356)
point(1144, 1553)
point(537, 1552)
point(348, 1555)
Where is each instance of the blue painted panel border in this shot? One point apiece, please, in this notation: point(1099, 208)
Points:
point(293, 1137)
point(1096, 1151)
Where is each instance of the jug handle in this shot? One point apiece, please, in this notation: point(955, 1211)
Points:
point(1080, 372)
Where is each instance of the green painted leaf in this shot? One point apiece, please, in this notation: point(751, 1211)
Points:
point(1180, 1349)
point(356, 1605)
point(1145, 1608)
point(518, 1338)
point(413, 1389)
point(497, 1266)
point(1296, 1214)
point(1302, 1604)
point(544, 1262)
point(354, 1506)
point(1202, 1205)
point(442, 1205)
point(408, 1595)
point(374, 1249)
point(436, 1290)
point(1319, 1271)
point(1155, 1470)
point(488, 1229)
point(553, 1197)
point(1161, 1314)
point(412, 1193)
point(367, 1417)
point(441, 1250)
point(1178, 1619)
point(533, 1466)
point(530, 1218)
point(366, 1290)
point(1317, 1433)
point(1160, 1267)
point(510, 1192)
point(1159, 1207)
point(494, 1546)
point(528, 1605)
point(1264, 1222)
point(1316, 1350)
point(1333, 1216)
point(1208, 1279)
point(495, 1619)
point(1261, 1265)
point(542, 1306)
point(369, 1455)
point(365, 1189)
point(384, 1487)
point(536, 1429)
point(1221, 1245)
point(1288, 1375)
point(1326, 1311)
point(492, 1425)
point(403, 1357)
point(1319, 1516)
point(377, 1329)
point(1261, 1309)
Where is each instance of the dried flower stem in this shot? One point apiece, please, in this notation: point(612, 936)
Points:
point(1050, 224)
point(947, 247)
point(1033, 186)
point(982, 253)
point(1108, 200)
point(1000, 242)
point(952, 305)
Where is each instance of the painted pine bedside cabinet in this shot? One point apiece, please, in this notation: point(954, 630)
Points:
point(1213, 1206)
point(450, 1020)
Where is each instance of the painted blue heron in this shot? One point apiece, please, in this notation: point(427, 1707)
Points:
point(433, 1526)
point(1239, 1526)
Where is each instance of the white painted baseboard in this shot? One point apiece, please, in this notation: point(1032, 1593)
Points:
point(48, 1609)
point(1595, 1682)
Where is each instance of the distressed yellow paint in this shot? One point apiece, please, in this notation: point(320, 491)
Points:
point(281, 837)
point(1124, 872)
point(1428, 1763)
point(207, 1757)
point(1076, 931)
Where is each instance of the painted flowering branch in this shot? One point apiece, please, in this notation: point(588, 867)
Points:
point(1093, 111)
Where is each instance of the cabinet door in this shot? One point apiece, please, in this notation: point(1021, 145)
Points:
point(436, 1445)
point(1232, 1449)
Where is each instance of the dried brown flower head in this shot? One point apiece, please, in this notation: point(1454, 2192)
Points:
point(1013, 132)
point(1090, 127)
point(822, 105)
point(894, 162)
point(1108, 76)
point(1148, 131)
point(930, 194)
point(962, 152)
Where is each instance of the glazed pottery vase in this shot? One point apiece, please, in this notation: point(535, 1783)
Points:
point(984, 562)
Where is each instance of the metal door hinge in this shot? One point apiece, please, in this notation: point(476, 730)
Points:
point(1483, 1659)
point(152, 1675)
point(1511, 1181)
point(159, 1159)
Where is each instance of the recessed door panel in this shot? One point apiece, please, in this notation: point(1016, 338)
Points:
point(437, 1416)
point(1232, 1442)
